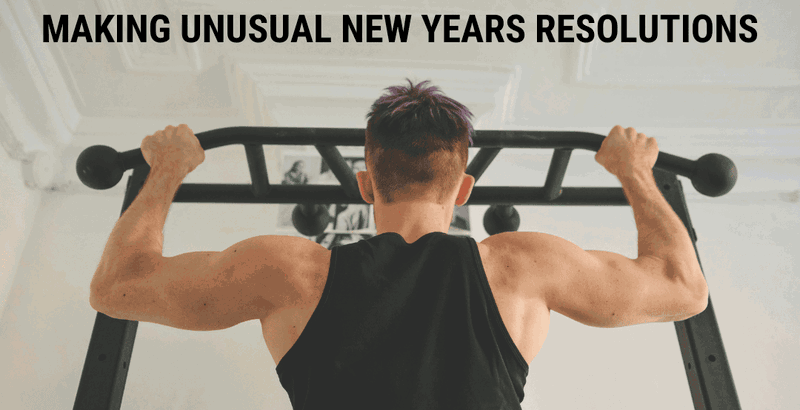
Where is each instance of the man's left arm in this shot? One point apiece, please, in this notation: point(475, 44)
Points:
point(197, 290)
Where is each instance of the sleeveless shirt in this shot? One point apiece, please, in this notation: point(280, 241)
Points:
point(405, 326)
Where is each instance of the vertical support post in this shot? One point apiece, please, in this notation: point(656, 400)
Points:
point(704, 358)
point(257, 165)
point(481, 161)
point(105, 369)
point(555, 175)
point(340, 169)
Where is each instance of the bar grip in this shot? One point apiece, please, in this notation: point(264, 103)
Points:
point(101, 167)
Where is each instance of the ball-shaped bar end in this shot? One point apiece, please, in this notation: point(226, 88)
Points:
point(99, 167)
point(501, 218)
point(715, 175)
point(310, 220)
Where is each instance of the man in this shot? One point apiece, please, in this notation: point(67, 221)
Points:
point(411, 318)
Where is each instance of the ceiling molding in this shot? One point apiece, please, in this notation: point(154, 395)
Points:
point(17, 136)
point(349, 78)
point(691, 76)
point(589, 71)
point(339, 91)
point(599, 64)
point(58, 107)
point(505, 104)
point(247, 96)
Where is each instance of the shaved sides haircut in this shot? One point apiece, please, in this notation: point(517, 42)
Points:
point(416, 142)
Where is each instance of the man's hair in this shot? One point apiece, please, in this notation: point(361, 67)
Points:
point(416, 142)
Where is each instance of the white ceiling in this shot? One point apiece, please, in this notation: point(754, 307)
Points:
point(735, 98)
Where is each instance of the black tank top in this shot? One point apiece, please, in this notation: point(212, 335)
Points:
point(405, 326)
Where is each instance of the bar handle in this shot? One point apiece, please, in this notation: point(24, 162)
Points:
point(101, 167)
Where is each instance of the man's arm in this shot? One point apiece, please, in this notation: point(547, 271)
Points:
point(197, 290)
point(664, 283)
point(137, 238)
point(216, 290)
point(630, 156)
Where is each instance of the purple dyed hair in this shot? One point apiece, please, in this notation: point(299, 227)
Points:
point(417, 135)
point(425, 104)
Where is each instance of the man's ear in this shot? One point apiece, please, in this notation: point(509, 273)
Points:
point(465, 189)
point(365, 186)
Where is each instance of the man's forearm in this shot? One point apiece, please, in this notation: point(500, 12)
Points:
point(136, 242)
point(661, 232)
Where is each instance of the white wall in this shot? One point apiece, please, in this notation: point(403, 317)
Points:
point(18, 206)
point(747, 252)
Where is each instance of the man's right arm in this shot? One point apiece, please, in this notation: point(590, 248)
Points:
point(603, 289)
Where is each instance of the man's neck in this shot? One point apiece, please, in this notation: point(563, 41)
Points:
point(412, 219)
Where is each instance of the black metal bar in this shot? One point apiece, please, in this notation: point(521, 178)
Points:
point(102, 167)
point(333, 194)
point(257, 165)
point(355, 137)
point(578, 196)
point(555, 175)
point(105, 368)
point(340, 169)
point(481, 161)
point(704, 358)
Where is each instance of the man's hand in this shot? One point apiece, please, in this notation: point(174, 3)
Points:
point(174, 148)
point(624, 152)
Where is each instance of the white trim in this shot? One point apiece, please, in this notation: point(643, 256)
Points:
point(16, 134)
point(617, 73)
point(267, 91)
point(691, 76)
point(246, 96)
point(469, 83)
point(42, 68)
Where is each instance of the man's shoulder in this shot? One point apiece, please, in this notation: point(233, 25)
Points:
point(518, 252)
point(292, 254)
point(299, 265)
point(518, 243)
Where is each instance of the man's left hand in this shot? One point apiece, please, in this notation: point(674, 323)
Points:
point(174, 148)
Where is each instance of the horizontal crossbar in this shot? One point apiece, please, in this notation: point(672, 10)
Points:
point(333, 194)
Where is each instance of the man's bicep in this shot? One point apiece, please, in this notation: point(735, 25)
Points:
point(260, 274)
point(217, 290)
point(596, 288)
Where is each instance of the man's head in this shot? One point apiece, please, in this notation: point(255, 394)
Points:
point(416, 146)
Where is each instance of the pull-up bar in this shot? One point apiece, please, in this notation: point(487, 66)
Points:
point(101, 167)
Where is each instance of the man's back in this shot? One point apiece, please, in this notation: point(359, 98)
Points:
point(407, 325)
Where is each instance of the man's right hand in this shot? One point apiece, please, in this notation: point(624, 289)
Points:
point(625, 151)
